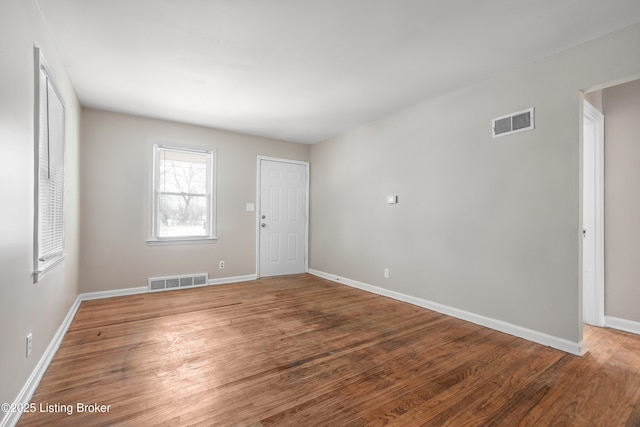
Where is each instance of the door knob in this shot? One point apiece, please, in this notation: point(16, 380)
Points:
point(263, 225)
point(264, 216)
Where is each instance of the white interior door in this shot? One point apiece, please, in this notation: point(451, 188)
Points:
point(593, 217)
point(282, 218)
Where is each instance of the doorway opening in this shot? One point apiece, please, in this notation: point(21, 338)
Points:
point(610, 205)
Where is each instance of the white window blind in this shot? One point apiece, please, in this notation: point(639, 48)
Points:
point(183, 194)
point(49, 162)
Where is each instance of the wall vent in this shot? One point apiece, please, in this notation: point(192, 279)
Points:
point(175, 282)
point(519, 121)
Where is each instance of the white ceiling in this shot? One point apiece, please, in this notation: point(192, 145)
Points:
point(305, 70)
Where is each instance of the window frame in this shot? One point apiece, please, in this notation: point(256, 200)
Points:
point(44, 262)
point(154, 238)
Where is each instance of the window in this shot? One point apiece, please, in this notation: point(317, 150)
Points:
point(49, 172)
point(183, 195)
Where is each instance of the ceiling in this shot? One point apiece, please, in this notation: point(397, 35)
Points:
point(305, 70)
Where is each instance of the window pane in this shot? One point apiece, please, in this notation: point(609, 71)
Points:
point(183, 172)
point(182, 216)
point(49, 174)
point(183, 194)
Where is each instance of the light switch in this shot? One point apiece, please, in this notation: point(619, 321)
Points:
point(392, 200)
point(250, 207)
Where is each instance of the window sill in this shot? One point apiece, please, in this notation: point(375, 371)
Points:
point(39, 274)
point(185, 241)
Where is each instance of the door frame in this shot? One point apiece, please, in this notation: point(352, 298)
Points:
point(595, 116)
point(258, 207)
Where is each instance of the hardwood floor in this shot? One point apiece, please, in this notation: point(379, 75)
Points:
point(303, 351)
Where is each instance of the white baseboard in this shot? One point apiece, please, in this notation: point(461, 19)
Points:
point(498, 325)
point(88, 296)
point(144, 289)
point(233, 279)
point(582, 346)
point(622, 324)
point(11, 418)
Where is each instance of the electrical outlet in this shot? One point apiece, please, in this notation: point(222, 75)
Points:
point(29, 344)
point(221, 264)
point(386, 273)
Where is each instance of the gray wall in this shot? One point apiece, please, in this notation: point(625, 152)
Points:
point(490, 226)
point(26, 307)
point(116, 172)
point(622, 200)
point(595, 99)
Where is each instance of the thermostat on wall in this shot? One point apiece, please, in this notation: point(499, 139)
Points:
point(392, 200)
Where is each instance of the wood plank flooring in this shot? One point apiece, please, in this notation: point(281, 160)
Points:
point(303, 351)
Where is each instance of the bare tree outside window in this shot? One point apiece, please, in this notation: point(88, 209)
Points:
point(183, 193)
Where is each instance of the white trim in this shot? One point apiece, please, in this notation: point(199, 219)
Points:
point(498, 325)
point(595, 116)
point(88, 296)
point(43, 264)
point(181, 241)
point(212, 166)
point(30, 386)
point(145, 289)
point(233, 279)
point(39, 274)
point(258, 207)
point(622, 324)
point(583, 348)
